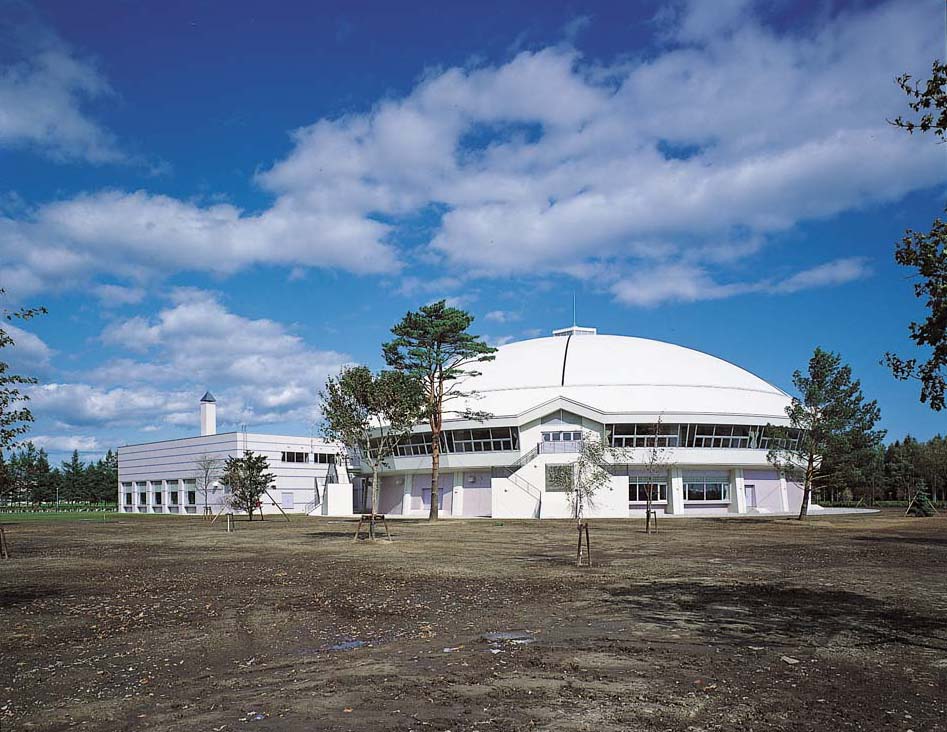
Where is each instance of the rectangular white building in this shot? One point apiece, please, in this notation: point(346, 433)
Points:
point(311, 474)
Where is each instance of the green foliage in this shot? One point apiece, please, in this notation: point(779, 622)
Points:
point(371, 413)
point(926, 254)
point(928, 99)
point(248, 480)
point(921, 506)
point(433, 346)
point(30, 479)
point(15, 416)
point(587, 475)
point(833, 422)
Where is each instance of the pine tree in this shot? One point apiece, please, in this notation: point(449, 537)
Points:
point(829, 418)
point(433, 346)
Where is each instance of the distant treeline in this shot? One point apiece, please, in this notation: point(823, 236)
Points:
point(893, 472)
point(26, 477)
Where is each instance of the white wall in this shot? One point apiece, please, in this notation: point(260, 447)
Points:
point(150, 468)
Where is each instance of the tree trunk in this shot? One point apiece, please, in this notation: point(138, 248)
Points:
point(437, 404)
point(807, 488)
point(376, 493)
point(647, 520)
point(435, 471)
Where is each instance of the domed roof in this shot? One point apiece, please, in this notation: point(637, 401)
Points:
point(620, 375)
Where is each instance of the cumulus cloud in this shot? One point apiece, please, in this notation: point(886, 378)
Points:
point(66, 443)
point(683, 162)
point(29, 353)
point(259, 371)
point(137, 235)
point(43, 97)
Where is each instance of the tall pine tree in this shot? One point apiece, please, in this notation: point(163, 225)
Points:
point(433, 346)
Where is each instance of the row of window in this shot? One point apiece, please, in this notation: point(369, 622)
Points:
point(499, 439)
point(563, 436)
point(175, 487)
point(190, 498)
point(697, 488)
point(487, 439)
point(697, 435)
point(320, 458)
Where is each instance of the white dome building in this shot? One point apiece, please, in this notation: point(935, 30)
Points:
point(706, 416)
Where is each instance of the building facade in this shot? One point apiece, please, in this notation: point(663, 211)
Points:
point(311, 474)
point(694, 430)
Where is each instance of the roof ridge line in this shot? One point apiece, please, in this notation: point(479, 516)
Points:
point(565, 357)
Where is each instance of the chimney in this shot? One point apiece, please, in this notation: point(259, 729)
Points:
point(208, 414)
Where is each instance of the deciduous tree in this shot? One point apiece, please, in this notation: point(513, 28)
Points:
point(587, 474)
point(248, 480)
point(15, 416)
point(208, 471)
point(371, 413)
point(926, 254)
point(434, 346)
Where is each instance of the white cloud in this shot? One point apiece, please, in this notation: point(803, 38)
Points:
point(502, 316)
point(831, 273)
point(259, 371)
point(136, 235)
point(65, 443)
point(682, 162)
point(41, 106)
point(690, 283)
point(118, 295)
point(29, 353)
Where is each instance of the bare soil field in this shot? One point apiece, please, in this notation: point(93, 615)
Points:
point(151, 623)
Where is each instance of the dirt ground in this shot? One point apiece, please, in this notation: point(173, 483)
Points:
point(165, 623)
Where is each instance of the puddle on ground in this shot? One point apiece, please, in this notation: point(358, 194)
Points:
point(509, 636)
point(346, 645)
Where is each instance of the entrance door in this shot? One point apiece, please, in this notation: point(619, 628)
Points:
point(287, 500)
point(750, 491)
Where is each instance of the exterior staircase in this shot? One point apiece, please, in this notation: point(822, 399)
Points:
point(511, 472)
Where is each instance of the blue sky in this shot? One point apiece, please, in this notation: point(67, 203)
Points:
point(243, 197)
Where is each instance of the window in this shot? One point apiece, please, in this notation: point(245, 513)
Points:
point(643, 435)
point(174, 498)
point(639, 485)
point(158, 498)
point(323, 458)
point(418, 443)
point(725, 436)
point(143, 499)
point(128, 499)
point(710, 487)
point(492, 439)
point(563, 436)
point(192, 498)
point(558, 478)
point(295, 457)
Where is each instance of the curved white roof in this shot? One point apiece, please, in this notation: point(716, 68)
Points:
point(621, 375)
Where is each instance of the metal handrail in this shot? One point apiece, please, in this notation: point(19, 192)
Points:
point(565, 446)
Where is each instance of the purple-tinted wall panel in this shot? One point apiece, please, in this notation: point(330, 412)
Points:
point(767, 489)
point(392, 493)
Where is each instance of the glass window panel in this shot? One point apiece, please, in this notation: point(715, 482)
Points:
point(694, 491)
